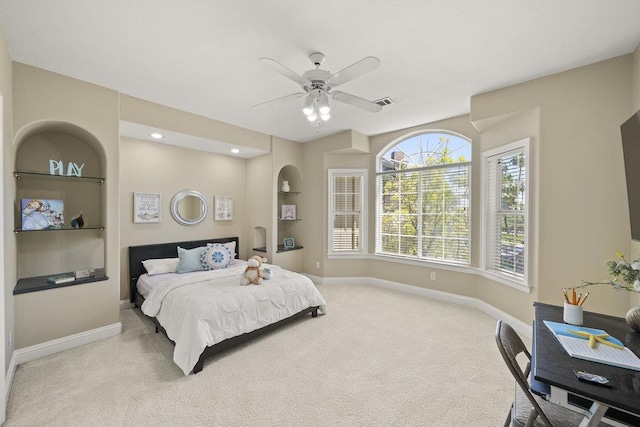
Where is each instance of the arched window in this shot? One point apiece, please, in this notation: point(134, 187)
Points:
point(423, 190)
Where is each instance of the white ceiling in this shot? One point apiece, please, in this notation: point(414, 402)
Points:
point(201, 56)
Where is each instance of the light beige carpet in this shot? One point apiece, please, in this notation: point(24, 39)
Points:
point(378, 358)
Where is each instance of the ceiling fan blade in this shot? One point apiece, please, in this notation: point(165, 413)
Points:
point(361, 67)
point(281, 69)
point(279, 100)
point(356, 101)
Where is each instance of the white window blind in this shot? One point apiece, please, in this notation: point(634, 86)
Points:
point(424, 213)
point(346, 216)
point(506, 211)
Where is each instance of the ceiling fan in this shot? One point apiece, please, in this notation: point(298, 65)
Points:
point(318, 86)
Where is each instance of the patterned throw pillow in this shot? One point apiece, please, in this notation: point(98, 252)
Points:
point(216, 256)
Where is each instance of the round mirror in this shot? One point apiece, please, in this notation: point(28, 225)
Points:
point(189, 207)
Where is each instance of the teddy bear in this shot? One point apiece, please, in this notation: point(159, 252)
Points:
point(254, 273)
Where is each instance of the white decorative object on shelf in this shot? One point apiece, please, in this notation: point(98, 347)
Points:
point(285, 187)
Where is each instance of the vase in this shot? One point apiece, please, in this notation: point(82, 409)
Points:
point(633, 318)
point(285, 187)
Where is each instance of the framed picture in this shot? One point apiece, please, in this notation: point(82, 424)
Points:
point(146, 207)
point(288, 212)
point(42, 214)
point(223, 208)
point(289, 243)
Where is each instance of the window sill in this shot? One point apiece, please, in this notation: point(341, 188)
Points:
point(460, 268)
point(523, 287)
point(348, 255)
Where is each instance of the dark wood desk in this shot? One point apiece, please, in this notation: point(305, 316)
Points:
point(552, 370)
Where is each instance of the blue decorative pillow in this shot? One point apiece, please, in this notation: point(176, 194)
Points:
point(216, 256)
point(189, 260)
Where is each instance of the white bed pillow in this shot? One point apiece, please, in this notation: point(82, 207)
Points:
point(160, 266)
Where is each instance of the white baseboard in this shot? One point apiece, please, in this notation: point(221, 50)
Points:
point(9, 379)
point(125, 303)
point(521, 327)
point(65, 343)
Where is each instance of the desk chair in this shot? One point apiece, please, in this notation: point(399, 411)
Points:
point(528, 410)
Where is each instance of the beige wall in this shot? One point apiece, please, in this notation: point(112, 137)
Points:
point(579, 216)
point(523, 125)
point(350, 150)
point(260, 205)
point(581, 208)
point(7, 185)
point(150, 167)
point(42, 98)
point(147, 113)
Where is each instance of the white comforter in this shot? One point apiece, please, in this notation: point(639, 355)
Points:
point(204, 308)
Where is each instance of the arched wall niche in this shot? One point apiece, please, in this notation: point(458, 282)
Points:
point(291, 174)
point(289, 227)
point(55, 139)
point(60, 148)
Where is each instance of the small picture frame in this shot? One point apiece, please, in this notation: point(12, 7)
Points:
point(223, 208)
point(146, 207)
point(288, 212)
point(289, 243)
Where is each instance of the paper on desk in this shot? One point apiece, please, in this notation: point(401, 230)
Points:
point(563, 329)
point(579, 348)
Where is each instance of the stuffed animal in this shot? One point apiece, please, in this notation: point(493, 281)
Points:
point(254, 272)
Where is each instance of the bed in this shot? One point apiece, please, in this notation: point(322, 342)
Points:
point(205, 312)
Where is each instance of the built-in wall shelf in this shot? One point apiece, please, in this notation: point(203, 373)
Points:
point(87, 227)
point(289, 220)
point(263, 249)
point(281, 248)
point(39, 283)
point(34, 175)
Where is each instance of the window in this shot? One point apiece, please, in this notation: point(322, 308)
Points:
point(347, 190)
point(423, 188)
point(506, 175)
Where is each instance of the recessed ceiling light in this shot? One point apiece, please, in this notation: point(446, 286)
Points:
point(235, 150)
point(156, 135)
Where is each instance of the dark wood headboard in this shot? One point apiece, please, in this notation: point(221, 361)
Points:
point(137, 254)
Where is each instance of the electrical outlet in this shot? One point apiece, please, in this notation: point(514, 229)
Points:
point(317, 264)
point(433, 275)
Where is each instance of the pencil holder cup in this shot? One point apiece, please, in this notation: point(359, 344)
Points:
point(572, 314)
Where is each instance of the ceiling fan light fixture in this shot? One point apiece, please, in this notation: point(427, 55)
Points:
point(323, 104)
point(312, 117)
point(325, 117)
point(309, 107)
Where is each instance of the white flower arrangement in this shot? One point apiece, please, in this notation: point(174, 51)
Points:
point(624, 275)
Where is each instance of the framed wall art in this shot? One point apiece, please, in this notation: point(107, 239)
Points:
point(223, 209)
point(289, 243)
point(146, 207)
point(288, 212)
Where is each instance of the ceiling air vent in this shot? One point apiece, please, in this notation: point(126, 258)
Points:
point(383, 102)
